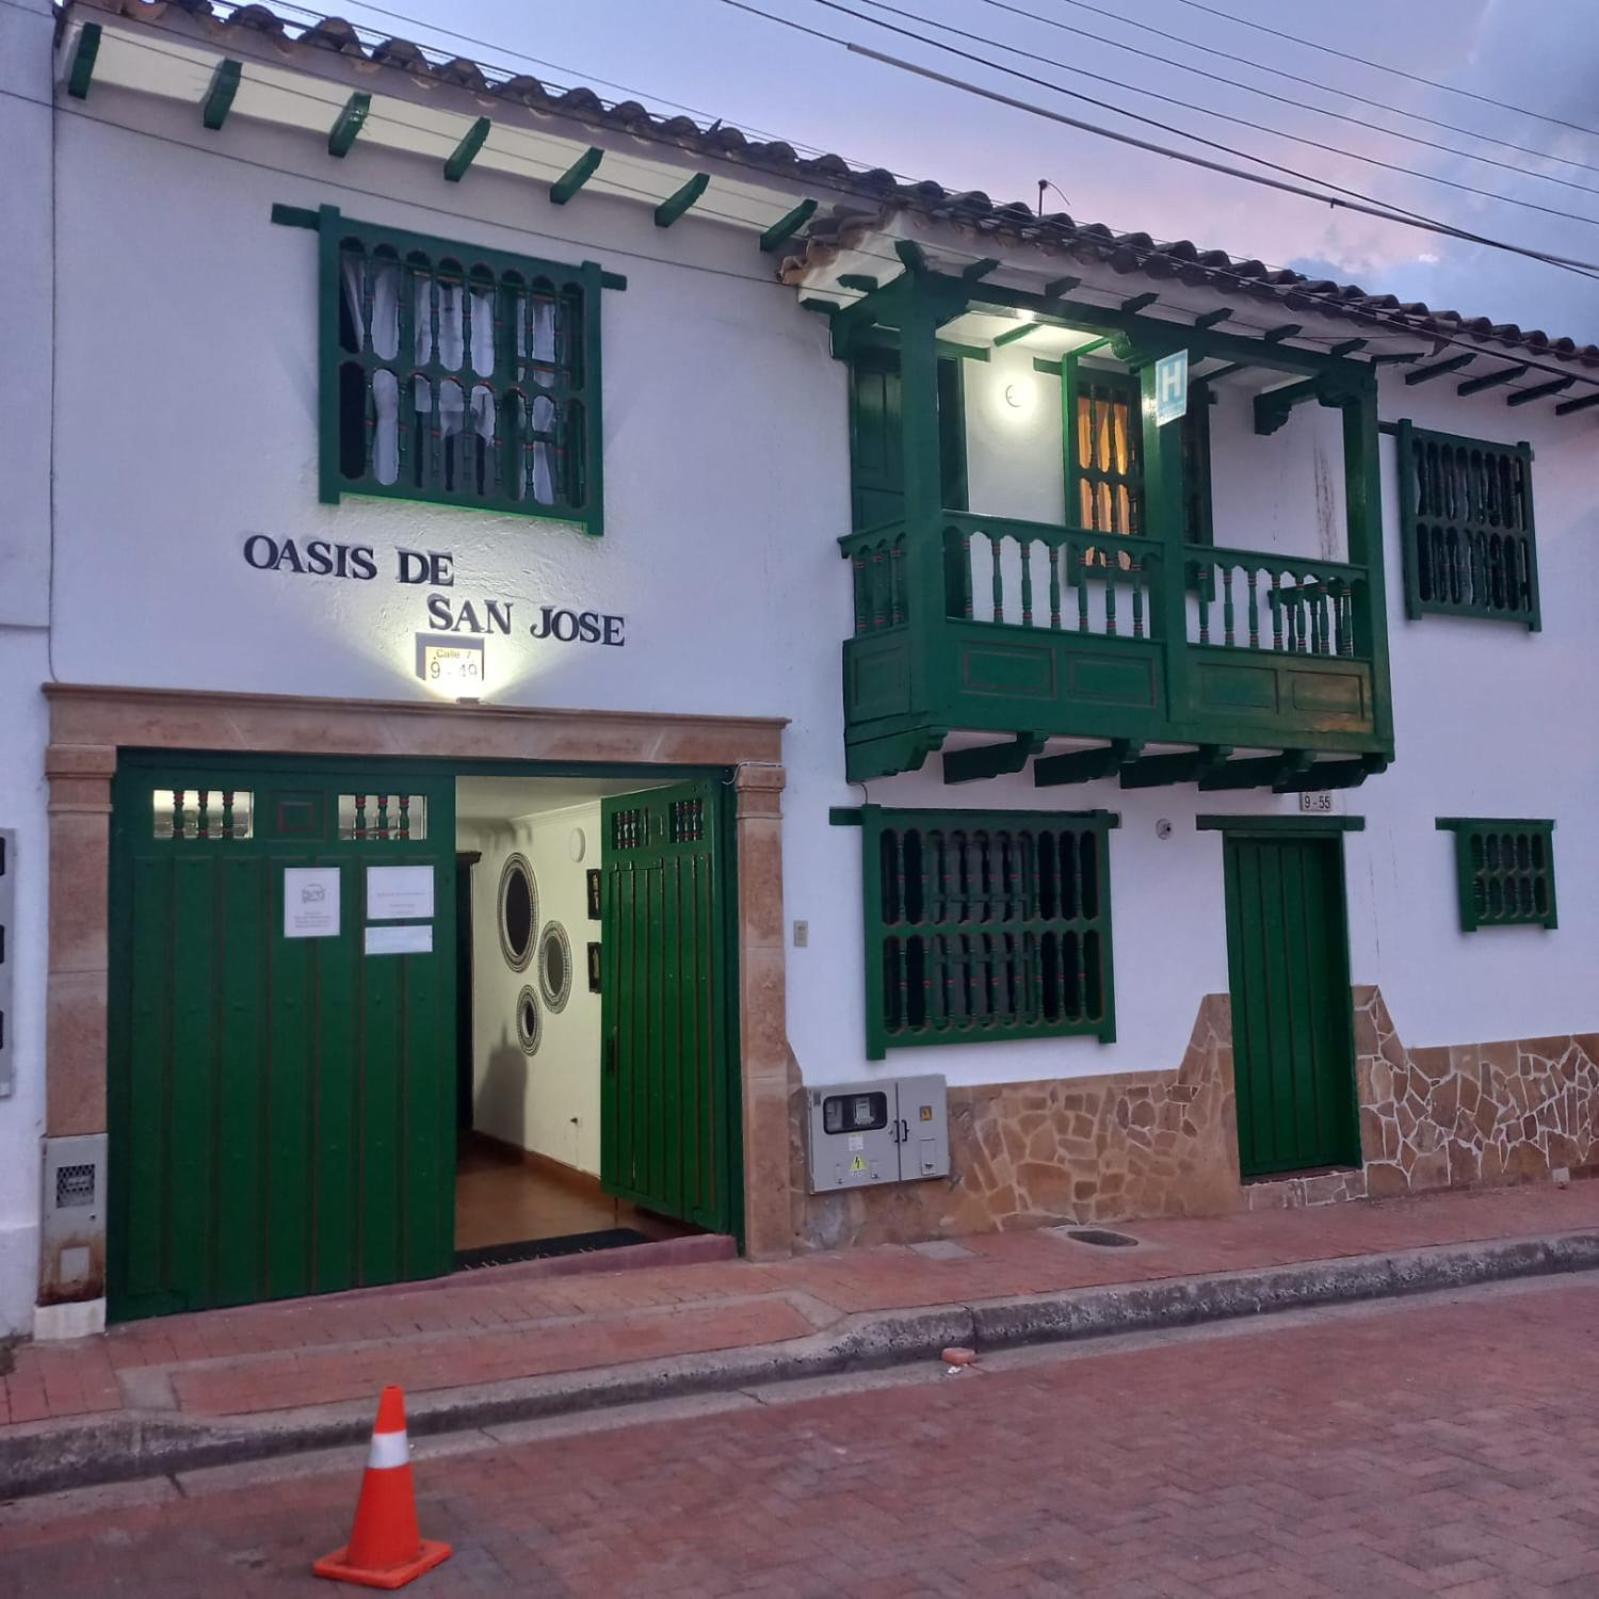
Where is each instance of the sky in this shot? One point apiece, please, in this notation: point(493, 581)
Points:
point(1539, 58)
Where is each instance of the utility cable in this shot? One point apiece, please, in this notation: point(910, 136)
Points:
point(1324, 111)
point(1225, 116)
point(1294, 77)
point(1357, 201)
point(1380, 66)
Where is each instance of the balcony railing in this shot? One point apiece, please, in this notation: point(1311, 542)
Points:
point(992, 623)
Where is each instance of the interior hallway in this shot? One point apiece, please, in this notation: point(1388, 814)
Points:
point(502, 1198)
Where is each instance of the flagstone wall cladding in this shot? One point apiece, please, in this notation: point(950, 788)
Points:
point(1164, 1143)
point(1458, 1115)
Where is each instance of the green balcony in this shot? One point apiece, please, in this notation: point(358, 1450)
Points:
point(1141, 654)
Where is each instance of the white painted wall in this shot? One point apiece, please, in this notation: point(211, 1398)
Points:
point(26, 335)
point(548, 1102)
point(185, 421)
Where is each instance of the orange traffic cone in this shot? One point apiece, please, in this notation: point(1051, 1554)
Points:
point(386, 1550)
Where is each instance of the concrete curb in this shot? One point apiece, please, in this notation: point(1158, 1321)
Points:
point(48, 1456)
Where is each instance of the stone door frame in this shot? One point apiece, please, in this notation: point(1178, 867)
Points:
point(89, 725)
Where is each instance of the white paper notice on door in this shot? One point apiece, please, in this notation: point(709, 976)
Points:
point(399, 893)
point(399, 940)
point(310, 902)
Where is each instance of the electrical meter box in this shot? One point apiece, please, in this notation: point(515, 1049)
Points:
point(893, 1130)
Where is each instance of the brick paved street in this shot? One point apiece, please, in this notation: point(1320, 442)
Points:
point(1448, 1446)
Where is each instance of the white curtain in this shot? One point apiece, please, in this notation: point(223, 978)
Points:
point(454, 399)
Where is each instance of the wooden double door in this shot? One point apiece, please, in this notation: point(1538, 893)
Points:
point(282, 1045)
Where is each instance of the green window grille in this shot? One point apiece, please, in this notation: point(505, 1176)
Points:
point(1466, 527)
point(1505, 871)
point(1105, 454)
point(986, 925)
point(459, 375)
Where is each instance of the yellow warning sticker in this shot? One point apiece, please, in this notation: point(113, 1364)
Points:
point(858, 1164)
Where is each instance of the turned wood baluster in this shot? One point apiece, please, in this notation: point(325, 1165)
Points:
point(1024, 548)
point(1227, 616)
point(1252, 577)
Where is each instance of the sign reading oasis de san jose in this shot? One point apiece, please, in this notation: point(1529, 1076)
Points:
point(451, 630)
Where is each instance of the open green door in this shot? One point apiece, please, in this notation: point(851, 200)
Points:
point(281, 1042)
point(667, 1124)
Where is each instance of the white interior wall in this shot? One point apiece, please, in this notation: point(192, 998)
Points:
point(548, 1102)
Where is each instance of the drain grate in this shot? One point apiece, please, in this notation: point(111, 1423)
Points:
point(1103, 1237)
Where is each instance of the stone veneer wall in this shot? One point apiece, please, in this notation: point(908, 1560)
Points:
point(1459, 1115)
point(1160, 1143)
point(1164, 1143)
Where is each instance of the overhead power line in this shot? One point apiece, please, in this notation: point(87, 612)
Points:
point(1382, 66)
point(1358, 202)
point(1300, 104)
point(1221, 116)
point(1311, 83)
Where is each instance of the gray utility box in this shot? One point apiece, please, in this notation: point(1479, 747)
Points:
point(893, 1130)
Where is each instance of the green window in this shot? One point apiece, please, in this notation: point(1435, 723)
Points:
point(1505, 871)
point(1105, 454)
point(1466, 527)
point(986, 925)
point(459, 375)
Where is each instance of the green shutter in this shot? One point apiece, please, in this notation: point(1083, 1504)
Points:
point(1504, 871)
point(1466, 527)
point(877, 471)
point(986, 925)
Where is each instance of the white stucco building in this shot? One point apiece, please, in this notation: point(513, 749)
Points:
point(437, 813)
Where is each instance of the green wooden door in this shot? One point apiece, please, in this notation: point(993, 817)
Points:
point(280, 1107)
point(1293, 1029)
point(667, 1104)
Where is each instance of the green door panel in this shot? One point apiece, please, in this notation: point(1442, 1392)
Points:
point(280, 1109)
point(668, 1137)
point(1293, 1030)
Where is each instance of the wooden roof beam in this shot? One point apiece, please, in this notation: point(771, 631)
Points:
point(784, 229)
point(1439, 369)
point(81, 73)
point(576, 175)
point(351, 119)
point(1490, 380)
point(681, 201)
point(219, 93)
point(1539, 391)
point(465, 153)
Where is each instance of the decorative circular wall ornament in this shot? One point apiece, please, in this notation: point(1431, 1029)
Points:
point(518, 916)
point(529, 1020)
point(577, 844)
point(555, 966)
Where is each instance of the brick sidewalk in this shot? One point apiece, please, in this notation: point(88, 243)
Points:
point(1386, 1450)
point(517, 1322)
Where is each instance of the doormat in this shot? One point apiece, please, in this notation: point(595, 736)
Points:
point(547, 1248)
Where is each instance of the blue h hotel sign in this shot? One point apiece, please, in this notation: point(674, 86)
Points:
point(1171, 387)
